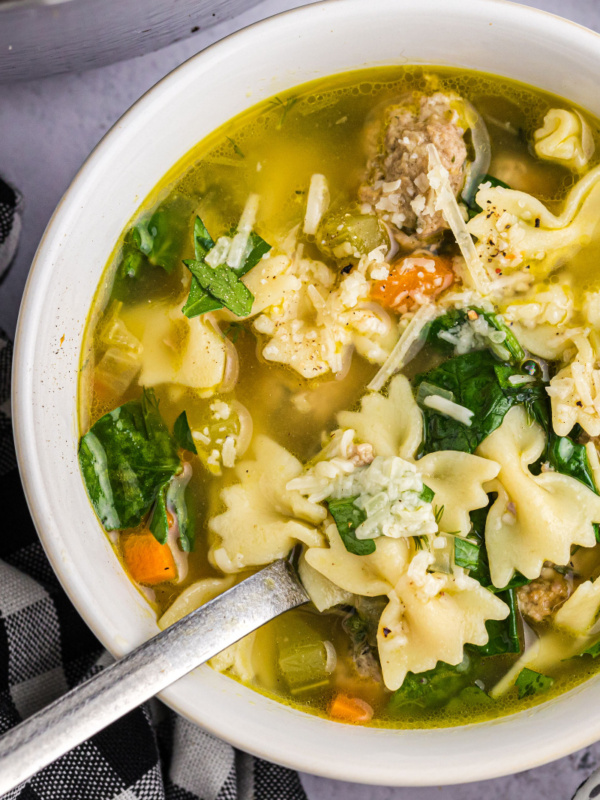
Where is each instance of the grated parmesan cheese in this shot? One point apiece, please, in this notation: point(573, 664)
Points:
point(449, 409)
point(401, 352)
point(446, 203)
point(316, 203)
point(244, 229)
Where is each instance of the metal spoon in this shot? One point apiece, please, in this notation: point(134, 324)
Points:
point(159, 662)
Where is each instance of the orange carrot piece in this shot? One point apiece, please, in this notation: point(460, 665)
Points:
point(148, 561)
point(413, 279)
point(350, 709)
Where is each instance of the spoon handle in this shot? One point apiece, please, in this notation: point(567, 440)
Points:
point(144, 672)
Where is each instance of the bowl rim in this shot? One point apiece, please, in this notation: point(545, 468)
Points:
point(22, 403)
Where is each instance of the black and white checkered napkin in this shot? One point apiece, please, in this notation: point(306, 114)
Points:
point(46, 649)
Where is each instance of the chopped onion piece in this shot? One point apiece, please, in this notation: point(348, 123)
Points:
point(446, 203)
point(483, 152)
point(331, 662)
point(239, 243)
point(401, 353)
point(316, 203)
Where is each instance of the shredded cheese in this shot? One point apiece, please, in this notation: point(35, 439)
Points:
point(401, 352)
point(446, 203)
point(449, 408)
point(316, 203)
point(244, 229)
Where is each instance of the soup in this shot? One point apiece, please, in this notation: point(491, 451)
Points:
point(360, 323)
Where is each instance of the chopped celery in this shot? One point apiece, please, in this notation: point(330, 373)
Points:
point(304, 667)
point(304, 658)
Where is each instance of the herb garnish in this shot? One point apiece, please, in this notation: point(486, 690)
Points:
point(286, 106)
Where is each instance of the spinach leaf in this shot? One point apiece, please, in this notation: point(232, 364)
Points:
point(213, 288)
point(467, 554)
point(156, 241)
point(427, 494)
point(183, 434)
point(434, 688)
point(199, 301)
point(171, 500)
point(473, 208)
point(456, 318)
point(347, 519)
point(503, 633)
point(159, 522)
point(479, 382)
point(223, 285)
point(529, 683)
point(125, 458)
point(203, 241)
point(570, 458)
point(176, 502)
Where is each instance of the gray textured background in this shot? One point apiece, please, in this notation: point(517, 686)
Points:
point(47, 129)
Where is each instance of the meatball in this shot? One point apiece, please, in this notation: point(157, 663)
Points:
point(397, 186)
point(542, 597)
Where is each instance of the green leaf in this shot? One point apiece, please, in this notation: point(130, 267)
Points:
point(473, 383)
point(570, 458)
point(503, 633)
point(176, 502)
point(466, 553)
point(199, 301)
point(159, 522)
point(479, 382)
point(456, 318)
point(224, 285)
point(214, 288)
point(257, 249)
point(529, 683)
point(203, 241)
point(347, 519)
point(427, 494)
point(125, 458)
point(434, 688)
point(171, 498)
point(183, 434)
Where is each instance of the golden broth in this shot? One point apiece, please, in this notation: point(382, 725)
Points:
point(273, 150)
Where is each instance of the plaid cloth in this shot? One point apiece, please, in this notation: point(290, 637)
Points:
point(46, 649)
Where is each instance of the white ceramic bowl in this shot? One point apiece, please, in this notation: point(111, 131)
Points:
point(226, 79)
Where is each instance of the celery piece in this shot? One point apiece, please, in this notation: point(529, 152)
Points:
point(303, 666)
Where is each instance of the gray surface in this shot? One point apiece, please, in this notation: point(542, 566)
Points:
point(47, 128)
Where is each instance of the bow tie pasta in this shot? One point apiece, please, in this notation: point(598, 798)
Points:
point(565, 137)
point(392, 424)
point(575, 391)
point(535, 517)
point(430, 618)
point(263, 519)
point(515, 230)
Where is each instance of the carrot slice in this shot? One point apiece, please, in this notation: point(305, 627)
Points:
point(147, 560)
point(413, 279)
point(350, 709)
